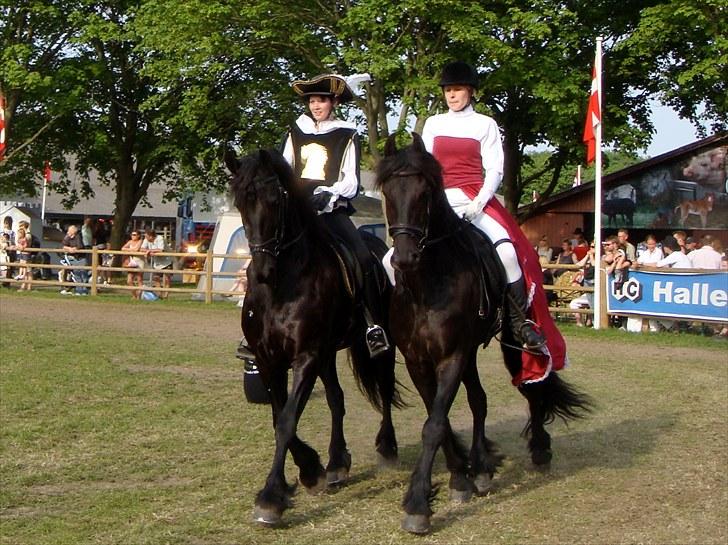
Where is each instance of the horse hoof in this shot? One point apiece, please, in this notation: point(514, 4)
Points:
point(483, 482)
point(318, 487)
point(384, 462)
point(460, 496)
point(337, 476)
point(542, 459)
point(416, 524)
point(266, 516)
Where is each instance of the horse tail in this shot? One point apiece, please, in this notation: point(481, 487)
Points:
point(375, 376)
point(557, 398)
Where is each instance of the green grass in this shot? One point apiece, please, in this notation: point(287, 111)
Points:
point(124, 423)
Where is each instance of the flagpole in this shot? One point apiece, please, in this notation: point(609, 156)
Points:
point(46, 175)
point(598, 194)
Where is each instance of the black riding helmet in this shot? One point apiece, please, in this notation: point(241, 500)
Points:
point(459, 73)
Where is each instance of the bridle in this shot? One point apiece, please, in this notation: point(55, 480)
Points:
point(420, 234)
point(274, 245)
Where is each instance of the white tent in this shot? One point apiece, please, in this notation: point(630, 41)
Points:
point(228, 238)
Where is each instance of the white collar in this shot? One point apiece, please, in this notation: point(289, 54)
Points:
point(465, 112)
point(309, 126)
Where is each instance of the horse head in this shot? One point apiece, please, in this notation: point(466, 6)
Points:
point(410, 180)
point(262, 198)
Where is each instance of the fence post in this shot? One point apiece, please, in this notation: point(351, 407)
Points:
point(94, 271)
point(603, 299)
point(208, 276)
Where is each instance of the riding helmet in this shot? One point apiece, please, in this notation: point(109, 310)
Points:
point(329, 85)
point(459, 73)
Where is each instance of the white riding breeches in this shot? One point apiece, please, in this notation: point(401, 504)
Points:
point(492, 229)
point(495, 232)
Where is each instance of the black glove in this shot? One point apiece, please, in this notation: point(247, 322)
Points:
point(320, 200)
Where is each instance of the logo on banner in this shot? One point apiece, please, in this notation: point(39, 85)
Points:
point(630, 290)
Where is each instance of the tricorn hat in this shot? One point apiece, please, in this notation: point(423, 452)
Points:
point(459, 73)
point(325, 85)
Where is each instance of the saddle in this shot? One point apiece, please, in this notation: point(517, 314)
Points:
point(491, 277)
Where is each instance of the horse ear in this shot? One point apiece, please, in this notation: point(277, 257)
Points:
point(417, 143)
point(231, 161)
point(390, 148)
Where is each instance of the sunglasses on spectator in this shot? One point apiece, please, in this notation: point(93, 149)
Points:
point(135, 234)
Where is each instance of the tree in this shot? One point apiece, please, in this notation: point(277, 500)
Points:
point(689, 41)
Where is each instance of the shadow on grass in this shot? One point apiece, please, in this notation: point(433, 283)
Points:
point(616, 446)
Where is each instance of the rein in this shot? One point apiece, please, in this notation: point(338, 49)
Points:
point(414, 231)
point(274, 245)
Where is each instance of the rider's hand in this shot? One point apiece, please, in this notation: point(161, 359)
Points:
point(476, 205)
point(320, 201)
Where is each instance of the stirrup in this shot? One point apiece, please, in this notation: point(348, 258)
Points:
point(532, 339)
point(243, 352)
point(377, 341)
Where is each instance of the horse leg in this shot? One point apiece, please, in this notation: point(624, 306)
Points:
point(337, 470)
point(484, 457)
point(435, 432)
point(386, 440)
point(274, 498)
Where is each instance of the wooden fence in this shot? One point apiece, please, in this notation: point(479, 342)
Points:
point(95, 268)
point(565, 291)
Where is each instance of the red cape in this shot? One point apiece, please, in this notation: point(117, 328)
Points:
point(534, 368)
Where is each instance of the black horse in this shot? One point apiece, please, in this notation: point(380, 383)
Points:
point(298, 312)
point(446, 308)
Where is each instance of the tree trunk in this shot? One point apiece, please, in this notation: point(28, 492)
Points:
point(511, 167)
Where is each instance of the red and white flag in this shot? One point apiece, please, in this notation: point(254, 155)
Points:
point(593, 119)
point(2, 127)
point(47, 173)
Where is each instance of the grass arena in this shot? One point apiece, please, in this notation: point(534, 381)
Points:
point(125, 423)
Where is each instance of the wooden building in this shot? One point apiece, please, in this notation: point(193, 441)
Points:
point(684, 189)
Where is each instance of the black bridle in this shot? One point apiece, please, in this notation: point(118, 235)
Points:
point(274, 245)
point(421, 234)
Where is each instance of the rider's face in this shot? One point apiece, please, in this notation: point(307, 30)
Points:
point(320, 107)
point(457, 96)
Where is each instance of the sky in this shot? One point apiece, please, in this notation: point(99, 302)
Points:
point(670, 131)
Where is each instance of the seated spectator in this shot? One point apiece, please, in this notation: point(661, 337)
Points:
point(134, 278)
point(565, 257)
point(616, 261)
point(153, 245)
point(579, 245)
point(673, 255)
point(586, 299)
point(548, 280)
point(627, 246)
point(651, 255)
point(544, 250)
point(705, 257)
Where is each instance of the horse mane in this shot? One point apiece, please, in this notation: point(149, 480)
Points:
point(267, 162)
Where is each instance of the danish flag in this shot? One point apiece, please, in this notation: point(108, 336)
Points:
point(593, 119)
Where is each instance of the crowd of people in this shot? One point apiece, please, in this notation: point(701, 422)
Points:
point(619, 256)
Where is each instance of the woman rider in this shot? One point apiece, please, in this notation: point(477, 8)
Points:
point(324, 154)
point(468, 147)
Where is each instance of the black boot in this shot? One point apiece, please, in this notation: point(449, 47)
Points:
point(244, 352)
point(376, 337)
point(522, 328)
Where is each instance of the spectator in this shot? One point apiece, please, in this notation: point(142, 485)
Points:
point(565, 257)
point(651, 255)
point(579, 245)
point(10, 251)
point(101, 243)
point(72, 243)
point(586, 299)
point(616, 261)
point(681, 237)
point(629, 250)
point(87, 233)
point(4, 245)
point(705, 257)
point(22, 242)
point(690, 244)
point(544, 250)
point(134, 277)
point(673, 255)
point(153, 245)
point(548, 280)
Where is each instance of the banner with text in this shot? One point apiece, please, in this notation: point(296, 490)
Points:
point(695, 296)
